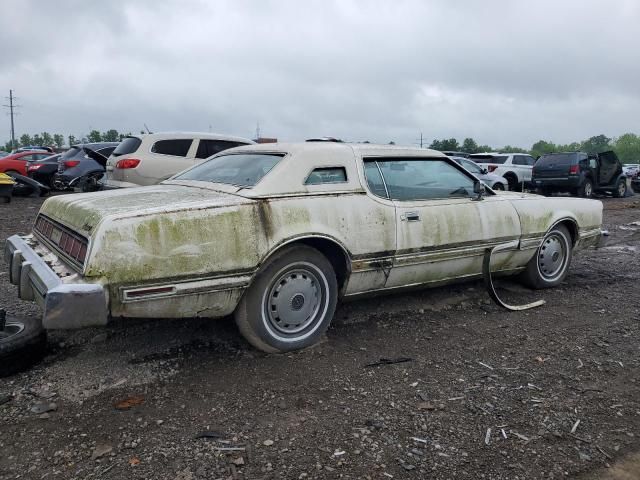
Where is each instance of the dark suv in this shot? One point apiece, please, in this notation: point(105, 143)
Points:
point(580, 174)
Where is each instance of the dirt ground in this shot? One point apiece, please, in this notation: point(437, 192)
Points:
point(481, 394)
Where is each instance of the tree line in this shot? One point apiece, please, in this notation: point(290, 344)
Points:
point(46, 139)
point(626, 146)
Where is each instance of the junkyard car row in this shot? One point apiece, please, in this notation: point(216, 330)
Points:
point(276, 234)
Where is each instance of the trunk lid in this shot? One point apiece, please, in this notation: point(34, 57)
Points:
point(83, 212)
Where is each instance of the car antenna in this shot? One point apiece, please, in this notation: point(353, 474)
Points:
point(146, 128)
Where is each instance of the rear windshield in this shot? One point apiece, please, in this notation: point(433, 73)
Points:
point(556, 159)
point(241, 170)
point(126, 146)
point(490, 158)
point(72, 152)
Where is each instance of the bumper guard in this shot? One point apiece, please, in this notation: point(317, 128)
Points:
point(65, 305)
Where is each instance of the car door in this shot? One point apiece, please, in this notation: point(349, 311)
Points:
point(609, 168)
point(442, 230)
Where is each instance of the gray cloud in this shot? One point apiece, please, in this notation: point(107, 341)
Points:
point(504, 72)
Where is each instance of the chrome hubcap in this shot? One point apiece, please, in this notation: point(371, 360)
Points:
point(11, 329)
point(622, 189)
point(552, 256)
point(293, 302)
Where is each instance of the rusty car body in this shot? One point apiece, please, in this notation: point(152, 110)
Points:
point(275, 234)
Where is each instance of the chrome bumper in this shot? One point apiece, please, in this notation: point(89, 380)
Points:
point(64, 305)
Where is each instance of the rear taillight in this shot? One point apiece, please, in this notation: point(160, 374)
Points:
point(71, 163)
point(33, 168)
point(573, 169)
point(127, 163)
point(491, 168)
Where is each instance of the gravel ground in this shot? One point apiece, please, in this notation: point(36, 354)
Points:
point(482, 393)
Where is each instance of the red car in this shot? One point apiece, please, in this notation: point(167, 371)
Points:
point(17, 162)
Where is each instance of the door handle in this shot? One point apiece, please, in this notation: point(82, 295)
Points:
point(413, 217)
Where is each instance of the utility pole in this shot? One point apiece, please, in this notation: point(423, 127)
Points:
point(257, 130)
point(11, 108)
point(421, 143)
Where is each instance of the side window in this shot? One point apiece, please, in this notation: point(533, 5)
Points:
point(530, 161)
point(207, 148)
point(327, 175)
point(423, 179)
point(374, 179)
point(519, 160)
point(177, 148)
point(40, 156)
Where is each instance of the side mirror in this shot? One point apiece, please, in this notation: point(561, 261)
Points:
point(484, 171)
point(478, 189)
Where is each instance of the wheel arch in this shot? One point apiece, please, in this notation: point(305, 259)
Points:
point(571, 225)
point(337, 254)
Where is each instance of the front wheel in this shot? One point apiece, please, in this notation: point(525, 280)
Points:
point(550, 265)
point(291, 301)
point(498, 187)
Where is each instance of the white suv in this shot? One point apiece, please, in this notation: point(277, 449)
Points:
point(515, 167)
point(148, 159)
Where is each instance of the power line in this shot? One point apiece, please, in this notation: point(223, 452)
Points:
point(12, 113)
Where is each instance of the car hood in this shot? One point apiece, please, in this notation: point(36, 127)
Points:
point(83, 212)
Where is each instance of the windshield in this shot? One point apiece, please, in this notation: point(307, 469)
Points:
point(242, 170)
point(472, 167)
point(72, 152)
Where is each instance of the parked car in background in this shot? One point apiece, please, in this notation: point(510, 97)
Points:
point(44, 170)
point(580, 174)
point(17, 162)
point(82, 163)
point(3, 153)
point(34, 148)
point(276, 234)
point(456, 154)
point(149, 159)
point(491, 180)
point(631, 169)
point(515, 167)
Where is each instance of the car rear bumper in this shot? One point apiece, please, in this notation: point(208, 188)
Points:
point(561, 183)
point(110, 184)
point(64, 305)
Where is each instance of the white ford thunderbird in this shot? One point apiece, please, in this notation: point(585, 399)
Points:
point(276, 234)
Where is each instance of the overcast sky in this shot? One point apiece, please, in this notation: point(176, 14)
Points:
point(500, 71)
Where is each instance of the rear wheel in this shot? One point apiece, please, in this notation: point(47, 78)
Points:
point(550, 265)
point(621, 189)
point(291, 301)
point(512, 179)
point(586, 189)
